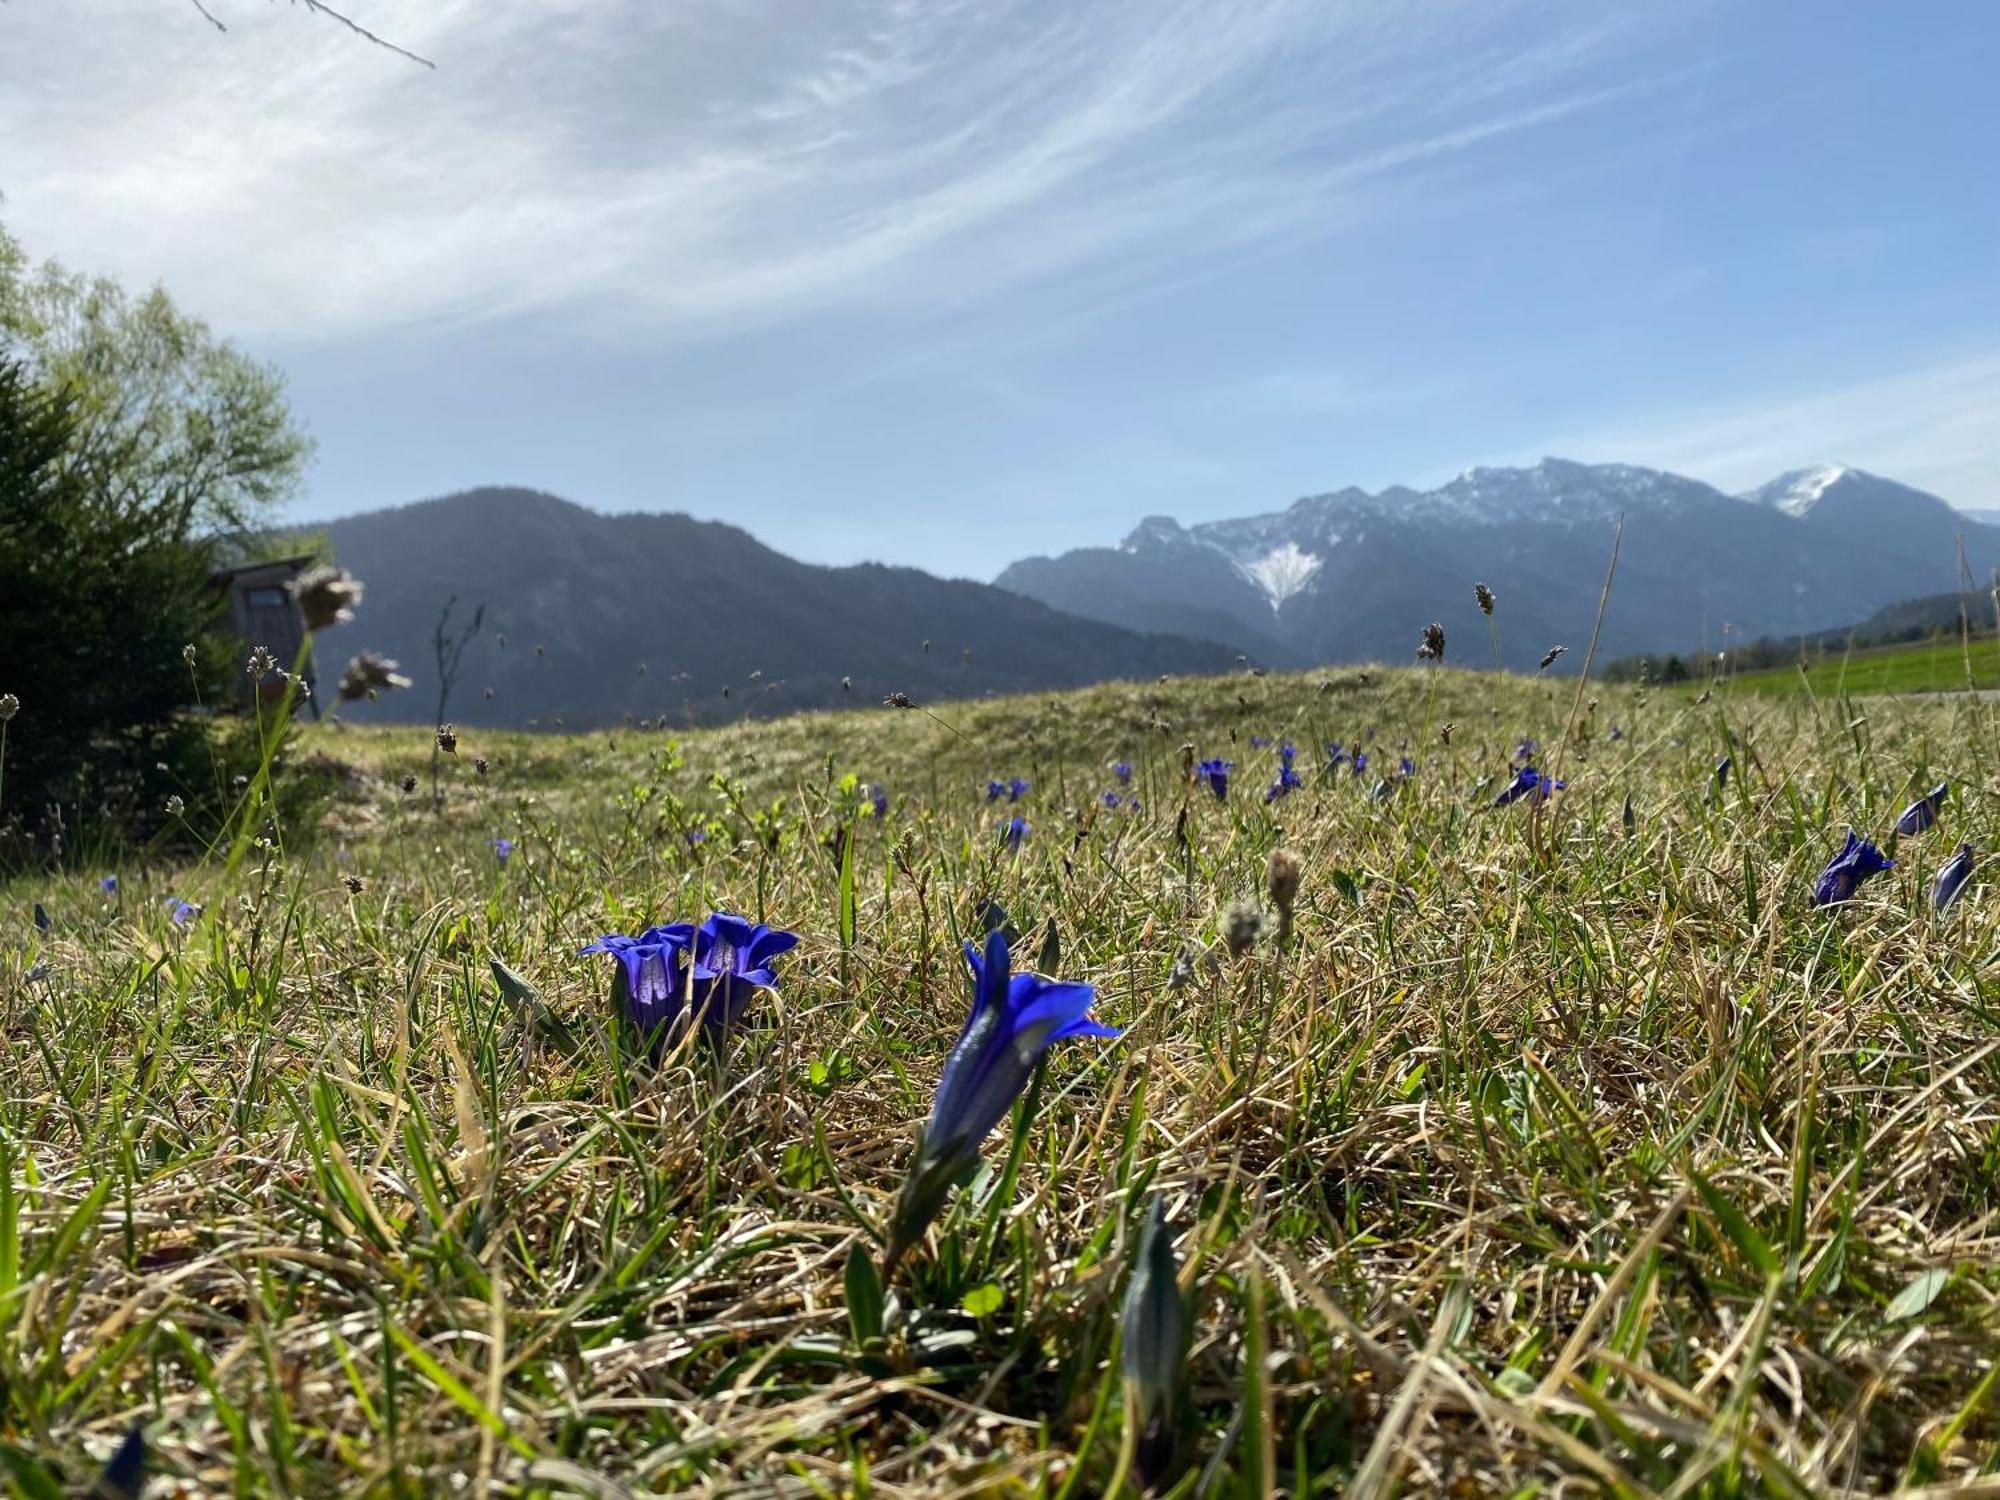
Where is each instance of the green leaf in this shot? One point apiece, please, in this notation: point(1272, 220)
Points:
point(1346, 884)
point(864, 1295)
point(1051, 956)
point(1917, 1296)
point(1749, 1242)
point(984, 1300)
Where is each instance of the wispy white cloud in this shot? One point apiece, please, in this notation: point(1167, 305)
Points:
point(670, 171)
point(1936, 426)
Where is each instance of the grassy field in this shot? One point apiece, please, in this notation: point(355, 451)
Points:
point(1919, 667)
point(1564, 1150)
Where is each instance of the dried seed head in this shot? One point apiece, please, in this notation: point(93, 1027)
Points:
point(353, 884)
point(1242, 926)
point(326, 596)
point(175, 807)
point(479, 764)
point(262, 663)
point(368, 675)
point(1549, 659)
point(9, 706)
point(899, 700)
point(1281, 880)
point(1444, 731)
point(188, 653)
point(1187, 760)
point(446, 740)
point(409, 784)
point(1485, 597)
point(1431, 648)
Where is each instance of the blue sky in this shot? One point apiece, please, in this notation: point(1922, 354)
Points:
point(948, 283)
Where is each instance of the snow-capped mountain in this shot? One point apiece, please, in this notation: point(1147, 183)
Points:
point(1352, 575)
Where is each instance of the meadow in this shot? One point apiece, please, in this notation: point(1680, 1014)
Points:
point(1916, 667)
point(1560, 1148)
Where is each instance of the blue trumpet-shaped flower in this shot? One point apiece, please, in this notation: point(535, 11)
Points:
point(1722, 773)
point(1857, 860)
point(1952, 878)
point(1013, 831)
point(503, 850)
point(1109, 799)
point(1015, 1019)
point(650, 984)
point(995, 790)
point(1216, 773)
point(877, 799)
point(1921, 814)
point(1360, 760)
point(1528, 782)
point(732, 961)
point(1122, 769)
point(1406, 768)
point(1288, 780)
point(1259, 741)
point(109, 885)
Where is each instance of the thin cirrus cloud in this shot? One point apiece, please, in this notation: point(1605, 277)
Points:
point(653, 171)
point(1936, 426)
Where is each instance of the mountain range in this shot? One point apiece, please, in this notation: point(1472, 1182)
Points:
point(1353, 576)
point(590, 618)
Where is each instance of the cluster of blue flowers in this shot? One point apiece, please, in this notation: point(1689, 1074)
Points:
point(1013, 790)
point(1859, 859)
point(710, 972)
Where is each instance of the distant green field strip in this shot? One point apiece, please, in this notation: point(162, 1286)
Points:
point(1920, 667)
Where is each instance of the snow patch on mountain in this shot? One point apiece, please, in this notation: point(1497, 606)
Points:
point(1797, 492)
point(1282, 571)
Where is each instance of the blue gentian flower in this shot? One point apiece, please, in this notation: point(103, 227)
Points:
point(697, 836)
point(1617, 733)
point(181, 912)
point(1922, 813)
point(995, 790)
point(1216, 773)
point(1952, 878)
point(1287, 753)
point(1525, 751)
point(1722, 773)
point(1016, 789)
point(1335, 754)
point(732, 961)
point(650, 986)
point(1109, 799)
point(1526, 783)
point(1857, 860)
point(1287, 780)
point(1123, 771)
point(503, 850)
point(108, 885)
point(1015, 1019)
point(1259, 741)
point(878, 799)
point(1013, 831)
point(1360, 760)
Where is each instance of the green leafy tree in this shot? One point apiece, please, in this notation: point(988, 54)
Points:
point(98, 601)
point(164, 416)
